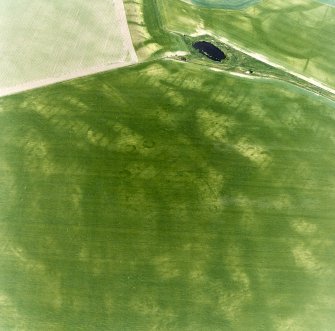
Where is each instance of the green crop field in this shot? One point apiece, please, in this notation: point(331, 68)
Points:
point(296, 35)
point(167, 196)
point(177, 194)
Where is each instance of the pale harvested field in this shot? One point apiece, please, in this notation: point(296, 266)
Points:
point(42, 42)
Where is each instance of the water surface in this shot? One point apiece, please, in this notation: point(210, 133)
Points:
point(212, 52)
point(328, 2)
point(224, 4)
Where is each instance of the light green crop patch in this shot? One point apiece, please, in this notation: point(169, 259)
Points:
point(46, 41)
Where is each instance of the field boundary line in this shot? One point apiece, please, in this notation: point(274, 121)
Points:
point(122, 17)
point(49, 81)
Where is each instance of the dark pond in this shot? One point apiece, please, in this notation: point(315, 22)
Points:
point(209, 50)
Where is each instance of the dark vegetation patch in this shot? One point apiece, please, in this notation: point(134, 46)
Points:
point(212, 52)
